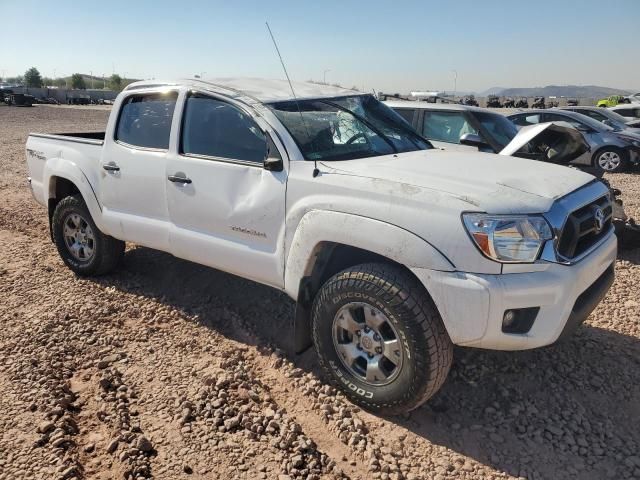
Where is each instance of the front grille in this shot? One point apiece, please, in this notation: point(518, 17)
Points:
point(583, 229)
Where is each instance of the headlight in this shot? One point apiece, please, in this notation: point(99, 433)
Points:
point(508, 238)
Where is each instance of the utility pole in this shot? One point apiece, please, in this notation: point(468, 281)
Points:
point(455, 82)
point(91, 73)
point(324, 75)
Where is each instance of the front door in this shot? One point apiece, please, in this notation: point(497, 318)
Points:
point(227, 210)
point(133, 170)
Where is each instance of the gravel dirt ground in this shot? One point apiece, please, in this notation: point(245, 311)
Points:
point(170, 370)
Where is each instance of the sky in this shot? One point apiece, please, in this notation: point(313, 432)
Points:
point(390, 46)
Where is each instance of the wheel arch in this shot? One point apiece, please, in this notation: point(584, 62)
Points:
point(64, 178)
point(326, 243)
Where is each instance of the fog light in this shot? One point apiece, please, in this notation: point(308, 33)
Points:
point(519, 320)
point(509, 317)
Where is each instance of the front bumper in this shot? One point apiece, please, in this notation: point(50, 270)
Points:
point(472, 306)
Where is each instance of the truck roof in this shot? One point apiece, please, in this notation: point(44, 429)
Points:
point(262, 90)
point(432, 106)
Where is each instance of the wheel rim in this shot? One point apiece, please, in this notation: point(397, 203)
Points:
point(367, 343)
point(78, 237)
point(609, 160)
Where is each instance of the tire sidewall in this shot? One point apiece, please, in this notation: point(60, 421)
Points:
point(66, 207)
point(409, 379)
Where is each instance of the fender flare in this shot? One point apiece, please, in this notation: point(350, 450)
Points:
point(382, 238)
point(62, 168)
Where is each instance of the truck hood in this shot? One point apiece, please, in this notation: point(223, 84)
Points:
point(483, 181)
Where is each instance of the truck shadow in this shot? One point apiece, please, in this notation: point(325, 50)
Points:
point(565, 411)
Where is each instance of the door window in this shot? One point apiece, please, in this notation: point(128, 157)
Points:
point(595, 115)
point(215, 128)
point(406, 113)
point(145, 120)
point(628, 112)
point(554, 117)
point(446, 126)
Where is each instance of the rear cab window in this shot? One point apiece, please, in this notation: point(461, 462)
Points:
point(144, 120)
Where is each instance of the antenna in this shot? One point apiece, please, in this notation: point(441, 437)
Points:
point(293, 92)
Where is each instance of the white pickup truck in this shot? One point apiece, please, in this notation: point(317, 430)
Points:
point(393, 250)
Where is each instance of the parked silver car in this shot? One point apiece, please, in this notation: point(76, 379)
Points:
point(608, 117)
point(611, 150)
point(461, 127)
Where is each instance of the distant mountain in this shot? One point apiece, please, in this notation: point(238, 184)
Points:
point(578, 91)
point(491, 91)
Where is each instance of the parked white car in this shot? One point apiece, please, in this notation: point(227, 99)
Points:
point(630, 111)
point(393, 250)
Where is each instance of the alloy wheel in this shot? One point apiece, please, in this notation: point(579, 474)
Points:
point(367, 343)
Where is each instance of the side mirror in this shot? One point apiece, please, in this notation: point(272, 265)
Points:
point(473, 140)
point(273, 161)
point(273, 164)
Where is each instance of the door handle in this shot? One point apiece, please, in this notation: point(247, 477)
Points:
point(111, 167)
point(178, 179)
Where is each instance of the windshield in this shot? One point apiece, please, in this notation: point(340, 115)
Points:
point(501, 129)
point(345, 128)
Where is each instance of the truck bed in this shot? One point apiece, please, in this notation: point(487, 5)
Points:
point(83, 149)
point(82, 137)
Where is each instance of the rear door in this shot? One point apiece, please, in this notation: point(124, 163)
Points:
point(227, 210)
point(133, 169)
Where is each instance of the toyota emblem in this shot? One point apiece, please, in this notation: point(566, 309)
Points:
point(598, 219)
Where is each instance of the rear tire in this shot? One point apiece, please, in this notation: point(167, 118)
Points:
point(81, 245)
point(402, 351)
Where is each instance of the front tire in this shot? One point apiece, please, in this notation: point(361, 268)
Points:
point(81, 245)
point(380, 338)
point(611, 160)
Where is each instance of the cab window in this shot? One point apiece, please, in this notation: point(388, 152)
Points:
point(145, 120)
point(446, 126)
point(214, 128)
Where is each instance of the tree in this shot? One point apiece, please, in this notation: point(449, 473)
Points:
point(32, 78)
point(115, 82)
point(77, 81)
point(60, 82)
point(14, 80)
